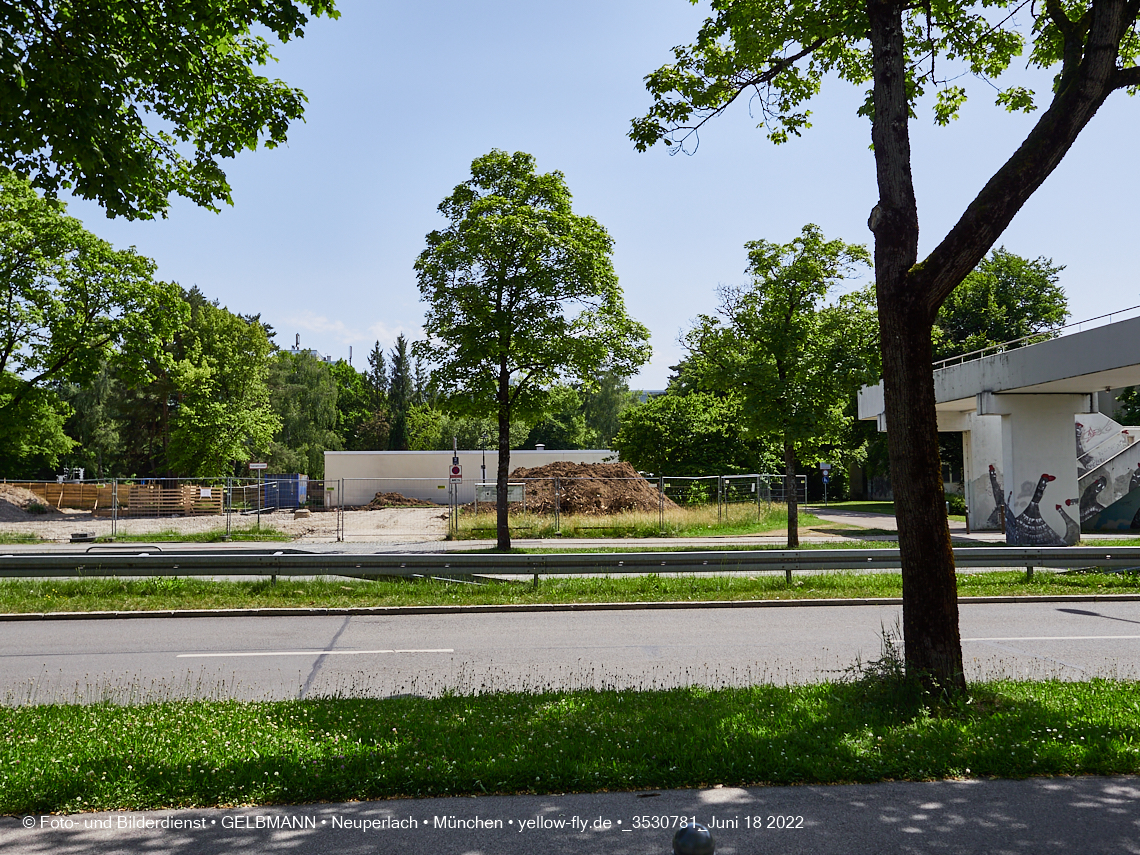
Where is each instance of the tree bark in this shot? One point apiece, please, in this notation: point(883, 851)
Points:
point(930, 603)
point(790, 494)
point(503, 470)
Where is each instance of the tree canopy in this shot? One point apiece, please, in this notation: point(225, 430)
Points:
point(699, 433)
point(129, 101)
point(1006, 297)
point(521, 296)
point(792, 358)
point(778, 54)
point(71, 302)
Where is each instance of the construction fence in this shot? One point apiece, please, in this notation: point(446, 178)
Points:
point(392, 509)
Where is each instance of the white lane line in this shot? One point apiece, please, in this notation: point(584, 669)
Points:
point(312, 653)
point(1058, 638)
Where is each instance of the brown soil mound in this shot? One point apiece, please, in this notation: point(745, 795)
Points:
point(590, 489)
point(15, 501)
point(397, 500)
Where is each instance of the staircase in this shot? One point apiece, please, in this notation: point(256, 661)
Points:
point(1108, 474)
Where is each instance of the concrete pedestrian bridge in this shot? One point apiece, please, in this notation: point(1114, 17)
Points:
point(1039, 453)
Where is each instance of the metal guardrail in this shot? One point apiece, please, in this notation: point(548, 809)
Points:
point(293, 563)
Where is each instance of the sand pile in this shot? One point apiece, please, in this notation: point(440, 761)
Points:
point(15, 502)
point(590, 489)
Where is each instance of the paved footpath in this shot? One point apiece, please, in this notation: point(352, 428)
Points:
point(1076, 816)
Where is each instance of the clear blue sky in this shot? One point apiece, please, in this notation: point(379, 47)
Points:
point(403, 96)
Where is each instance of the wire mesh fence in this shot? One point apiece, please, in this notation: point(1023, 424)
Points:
point(398, 509)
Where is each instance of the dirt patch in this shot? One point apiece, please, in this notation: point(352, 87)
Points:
point(18, 504)
point(589, 489)
point(397, 500)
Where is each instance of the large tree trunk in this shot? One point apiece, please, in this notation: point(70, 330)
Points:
point(790, 495)
point(930, 604)
point(930, 590)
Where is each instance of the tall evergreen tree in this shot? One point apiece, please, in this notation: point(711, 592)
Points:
point(377, 376)
point(401, 393)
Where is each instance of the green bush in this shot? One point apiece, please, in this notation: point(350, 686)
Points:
point(956, 503)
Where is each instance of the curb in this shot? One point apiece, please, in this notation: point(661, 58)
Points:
point(396, 611)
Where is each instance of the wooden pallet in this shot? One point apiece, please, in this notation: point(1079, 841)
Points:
point(152, 500)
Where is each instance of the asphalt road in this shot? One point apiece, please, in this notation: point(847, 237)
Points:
point(1075, 816)
point(287, 657)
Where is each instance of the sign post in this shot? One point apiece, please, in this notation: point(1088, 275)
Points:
point(825, 468)
point(258, 467)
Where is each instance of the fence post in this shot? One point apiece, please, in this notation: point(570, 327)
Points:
point(229, 500)
point(661, 504)
point(340, 510)
point(114, 507)
point(759, 516)
point(558, 504)
point(719, 499)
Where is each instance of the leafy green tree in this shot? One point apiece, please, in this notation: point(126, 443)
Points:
point(70, 302)
point(564, 425)
point(788, 353)
point(1006, 297)
point(695, 434)
point(93, 425)
point(603, 406)
point(432, 429)
point(34, 438)
point(303, 392)
point(104, 98)
point(356, 405)
point(223, 412)
point(777, 54)
point(521, 295)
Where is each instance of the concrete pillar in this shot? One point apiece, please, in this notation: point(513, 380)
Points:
point(1039, 458)
point(984, 485)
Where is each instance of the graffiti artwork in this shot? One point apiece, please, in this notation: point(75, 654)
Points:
point(1028, 528)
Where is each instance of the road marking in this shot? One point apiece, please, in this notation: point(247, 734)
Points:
point(312, 653)
point(1059, 638)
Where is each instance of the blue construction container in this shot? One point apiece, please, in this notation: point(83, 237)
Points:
point(286, 491)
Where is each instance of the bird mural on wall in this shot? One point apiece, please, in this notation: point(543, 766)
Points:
point(1072, 526)
point(994, 521)
point(1083, 457)
point(1090, 507)
point(1028, 528)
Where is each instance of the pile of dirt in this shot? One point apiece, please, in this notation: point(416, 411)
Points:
point(397, 500)
point(19, 504)
point(589, 489)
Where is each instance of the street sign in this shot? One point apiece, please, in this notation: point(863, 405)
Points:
point(259, 466)
point(456, 472)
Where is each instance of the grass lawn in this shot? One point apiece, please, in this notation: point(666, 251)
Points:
point(216, 535)
point(162, 593)
point(19, 537)
point(217, 753)
point(698, 521)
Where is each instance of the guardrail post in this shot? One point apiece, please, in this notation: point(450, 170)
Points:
point(1028, 573)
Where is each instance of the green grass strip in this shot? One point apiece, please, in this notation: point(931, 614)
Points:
point(217, 535)
point(115, 594)
point(207, 753)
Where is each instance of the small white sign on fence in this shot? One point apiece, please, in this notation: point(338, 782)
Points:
point(486, 493)
point(206, 493)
